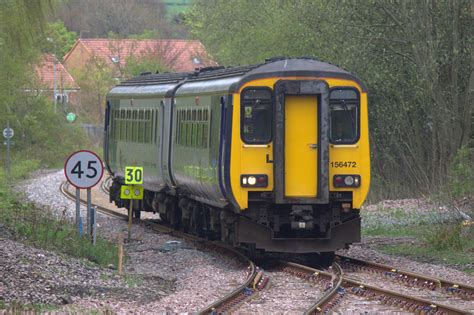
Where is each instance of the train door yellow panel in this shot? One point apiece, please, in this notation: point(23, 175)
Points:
point(301, 154)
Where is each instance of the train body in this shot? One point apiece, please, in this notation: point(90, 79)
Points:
point(272, 156)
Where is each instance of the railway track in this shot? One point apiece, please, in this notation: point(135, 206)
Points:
point(408, 278)
point(347, 286)
point(254, 281)
point(338, 286)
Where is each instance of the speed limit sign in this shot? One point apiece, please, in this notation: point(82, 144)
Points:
point(83, 169)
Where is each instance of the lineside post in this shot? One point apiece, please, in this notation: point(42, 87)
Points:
point(120, 253)
point(130, 211)
point(78, 211)
point(84, 169)
point(94, 224)
point(89, 206)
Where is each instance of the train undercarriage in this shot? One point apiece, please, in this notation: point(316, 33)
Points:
point(264, 227)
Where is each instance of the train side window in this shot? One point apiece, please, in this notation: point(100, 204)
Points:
point(205, 133)
point(141, 127)
point(148, 125)
point(111, 123)
point(344, 105)
point(188, 133)
point(178, 126)
point(123, 126)
point(134, 127)
point(184, 130)
point(129, 125)
point(200, 126)
point(117, 123)
point(256, 115)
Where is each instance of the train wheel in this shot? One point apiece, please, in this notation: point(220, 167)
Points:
point(136, 214)
point(326, 259)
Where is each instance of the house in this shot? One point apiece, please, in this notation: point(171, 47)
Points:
point(50, 73)
point(178, 55)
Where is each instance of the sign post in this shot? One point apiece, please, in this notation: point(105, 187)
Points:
point(132, 190)
point(84, 170)
point(8, 133)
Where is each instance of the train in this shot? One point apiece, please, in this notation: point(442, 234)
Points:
point(272, 157)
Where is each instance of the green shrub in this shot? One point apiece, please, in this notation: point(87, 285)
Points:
point(461, 174)
point(445, 237)
point(42, 228)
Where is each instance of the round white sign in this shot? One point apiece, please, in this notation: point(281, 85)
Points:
point(8, 133)
point(83, 169)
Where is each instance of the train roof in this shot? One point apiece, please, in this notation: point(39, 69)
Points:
point(227, 79)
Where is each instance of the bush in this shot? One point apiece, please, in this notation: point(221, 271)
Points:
point(43, 135)
point(461, 174)
point(44, 229)
point(445, 237)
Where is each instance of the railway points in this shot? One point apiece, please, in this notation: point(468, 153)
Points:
point(336, 286)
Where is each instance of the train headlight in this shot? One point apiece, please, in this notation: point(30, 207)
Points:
point(257, 180)
point(349, 180)
point(346, 181)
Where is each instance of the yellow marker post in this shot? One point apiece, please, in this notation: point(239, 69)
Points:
point(131, 191)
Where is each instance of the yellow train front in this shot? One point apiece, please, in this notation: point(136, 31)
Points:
point(273, 156)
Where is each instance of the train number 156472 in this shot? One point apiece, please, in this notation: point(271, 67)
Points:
point(344, 164)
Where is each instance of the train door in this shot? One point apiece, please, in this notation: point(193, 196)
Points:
point(301, 146)
point(301, 142)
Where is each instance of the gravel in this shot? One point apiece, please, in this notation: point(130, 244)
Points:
point(284, 293)
point(165, 274)
point(35, 276)
point(171, 274)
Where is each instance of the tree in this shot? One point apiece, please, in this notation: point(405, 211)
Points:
point(95, 80)
point(60, 39)
point(21, 26)
point(122, 17)
point(415, 57)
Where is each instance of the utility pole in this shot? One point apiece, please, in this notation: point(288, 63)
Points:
point(51, 40)
point(55, 83)
point(8, 151)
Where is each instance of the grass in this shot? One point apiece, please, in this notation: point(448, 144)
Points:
point(42, 228)
point(440, 239)
point(17, 308)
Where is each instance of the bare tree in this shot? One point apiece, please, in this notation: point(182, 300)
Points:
point(123, 17)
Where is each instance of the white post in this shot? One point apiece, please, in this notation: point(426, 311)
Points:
point(8, 152)
point(89, 205)
point(78, 211)
point(54, 82)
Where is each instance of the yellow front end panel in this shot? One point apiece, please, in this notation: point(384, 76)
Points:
point(301, 134)
point(256, 159)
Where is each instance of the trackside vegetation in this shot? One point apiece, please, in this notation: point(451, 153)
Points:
point(42, 228)
point(43, 138)
point(441, 230)
point(414, 56)
point(416, 59)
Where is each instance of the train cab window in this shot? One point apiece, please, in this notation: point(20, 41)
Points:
point(256, 115)
point(344, 104)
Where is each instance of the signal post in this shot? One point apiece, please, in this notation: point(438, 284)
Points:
point(132, 190)
point(84, 169)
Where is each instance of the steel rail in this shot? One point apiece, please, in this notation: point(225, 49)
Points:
point(330, 294)
point(229, 300)
point(385, 296)
point(327, 301)
point(63, 189)
point(411, 278)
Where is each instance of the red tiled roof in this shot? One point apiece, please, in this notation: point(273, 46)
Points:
point(179, 55)
point(45, 73)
